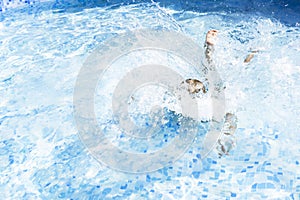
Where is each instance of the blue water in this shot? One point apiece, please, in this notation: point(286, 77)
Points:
point(42, 50)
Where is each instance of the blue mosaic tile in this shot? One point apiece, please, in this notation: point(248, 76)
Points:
point(40, 147)
point(196, 174)
point(233, 194)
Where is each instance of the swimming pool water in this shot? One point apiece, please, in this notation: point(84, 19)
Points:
point(42, 156)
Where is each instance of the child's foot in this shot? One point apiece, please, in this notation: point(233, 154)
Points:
point(210, 41)
point(211, 37)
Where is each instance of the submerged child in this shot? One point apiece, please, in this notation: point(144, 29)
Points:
point(227, 141)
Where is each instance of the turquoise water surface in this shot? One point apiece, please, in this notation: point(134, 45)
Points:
point(42, 157)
